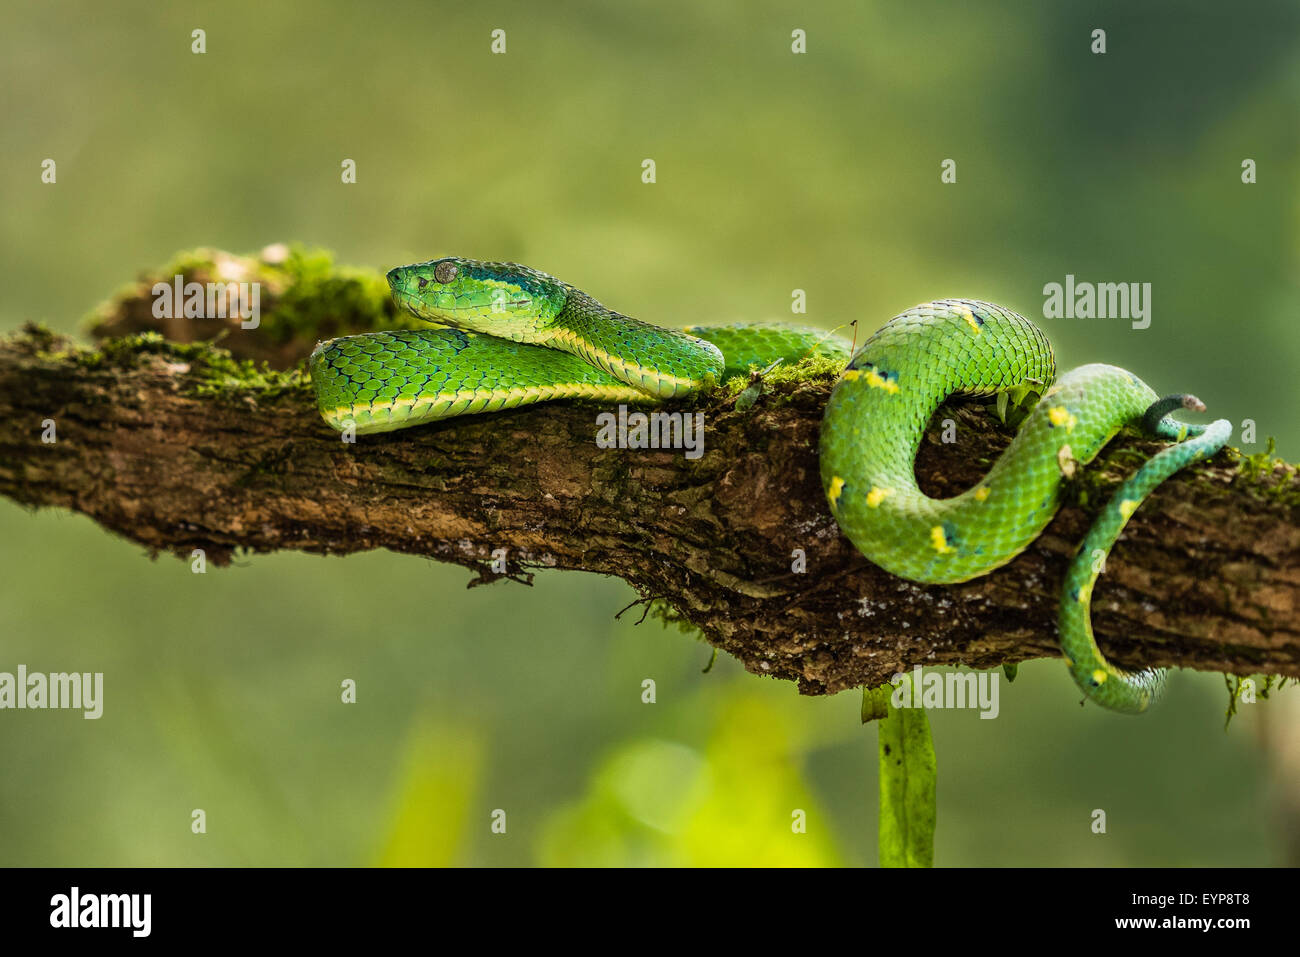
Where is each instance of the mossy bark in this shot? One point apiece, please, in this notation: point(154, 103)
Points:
point(181, 447)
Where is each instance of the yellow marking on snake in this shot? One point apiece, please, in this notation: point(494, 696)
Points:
point(833, 493)
point(1128, 507)
point(970, 320)
point(981, 493)
point(851, 375)
point(1085, 593)
point(939, 540)
point(1060, 415)
point(877, 381)
point(1099, 676)
point(582, 389)
point(876, 496)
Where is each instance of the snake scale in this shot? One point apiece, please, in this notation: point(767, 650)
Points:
point(505, 335)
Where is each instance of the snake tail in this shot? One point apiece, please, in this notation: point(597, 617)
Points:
point(1130, 692)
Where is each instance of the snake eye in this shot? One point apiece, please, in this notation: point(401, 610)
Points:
point(444, 272)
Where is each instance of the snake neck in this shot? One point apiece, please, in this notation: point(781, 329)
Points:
point(663, 363)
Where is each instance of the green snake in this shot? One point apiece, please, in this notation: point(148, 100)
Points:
point(507, 335)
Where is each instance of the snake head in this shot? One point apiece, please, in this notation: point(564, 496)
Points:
point(500, 299)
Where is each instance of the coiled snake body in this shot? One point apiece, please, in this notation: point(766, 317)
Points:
point(510, 336)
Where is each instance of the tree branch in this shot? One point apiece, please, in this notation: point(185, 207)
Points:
point(181, 447)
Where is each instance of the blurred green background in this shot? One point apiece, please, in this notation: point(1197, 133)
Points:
point(775, 171)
